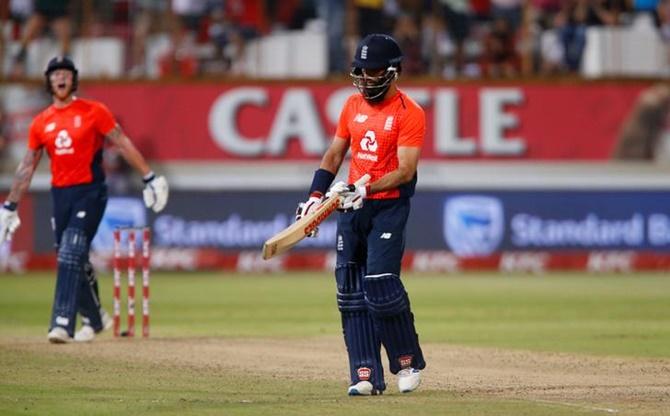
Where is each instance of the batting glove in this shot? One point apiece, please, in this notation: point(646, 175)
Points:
point(9, 221)
point(304, 208)
point(155, 192)
point(337, 188)
point(352, 196)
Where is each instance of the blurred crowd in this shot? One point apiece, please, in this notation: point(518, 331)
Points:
point(448, 38)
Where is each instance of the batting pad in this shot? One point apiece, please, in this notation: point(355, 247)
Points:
point(389, 307)
point(72, 255)
point(89, 300)
point(363, 345)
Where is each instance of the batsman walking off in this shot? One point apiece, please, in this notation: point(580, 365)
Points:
point(384, 129)
point(72, 131)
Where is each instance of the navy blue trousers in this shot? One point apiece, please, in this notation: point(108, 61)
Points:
point(372, 300)
point(77, 212)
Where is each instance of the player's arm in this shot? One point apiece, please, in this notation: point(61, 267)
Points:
point(24, 175)
point(408, 160)
point(156, 188)
point(332, 159)
point(323, 177)
point(9, 217)
point(128, 150)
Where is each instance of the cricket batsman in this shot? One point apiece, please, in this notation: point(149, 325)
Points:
point(72, 131)
point(384, 129)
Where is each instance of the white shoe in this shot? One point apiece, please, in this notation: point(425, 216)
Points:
point(85, 334)
point(107, 321)
point(408, 380)
point(362, 388)
point(58, 335)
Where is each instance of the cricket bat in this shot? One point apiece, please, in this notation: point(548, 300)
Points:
point(293, 234)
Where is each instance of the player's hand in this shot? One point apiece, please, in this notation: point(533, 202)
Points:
point(155, 192)
point(337, 188)
point(9, 222)
point(352, 195)
point(308, 206)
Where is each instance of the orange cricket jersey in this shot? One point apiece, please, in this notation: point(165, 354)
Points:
point(375, 132)
point(73, 137)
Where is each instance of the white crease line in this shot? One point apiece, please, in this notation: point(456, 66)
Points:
point(599, 409)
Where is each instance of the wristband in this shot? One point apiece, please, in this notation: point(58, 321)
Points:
point(321, 182)
point(10, 206)
point(149, 177)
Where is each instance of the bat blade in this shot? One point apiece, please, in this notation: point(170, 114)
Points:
point(293, 234)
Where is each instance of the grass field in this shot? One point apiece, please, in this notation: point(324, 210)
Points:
point(267, 345)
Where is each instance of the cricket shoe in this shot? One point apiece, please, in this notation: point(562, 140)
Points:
point(408, 380)
point(106, 320)
point(59, 335)
point(85, 334)
point(363, 388)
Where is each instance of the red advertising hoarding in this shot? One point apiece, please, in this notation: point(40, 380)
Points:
point(179, 122)
point(413, 261)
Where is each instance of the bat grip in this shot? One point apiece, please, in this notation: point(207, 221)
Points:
point(362, 181)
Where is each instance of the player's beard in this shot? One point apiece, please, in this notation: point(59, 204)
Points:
point(373, 89)
point(62, 94)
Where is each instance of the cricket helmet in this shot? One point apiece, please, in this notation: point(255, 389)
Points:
point(375, 52)
point(61, 62)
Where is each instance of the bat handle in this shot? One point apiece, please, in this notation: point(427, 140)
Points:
point(362, 181)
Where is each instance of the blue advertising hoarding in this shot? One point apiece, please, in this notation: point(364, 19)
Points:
point(467, 223)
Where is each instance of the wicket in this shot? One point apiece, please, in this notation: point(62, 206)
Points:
point(131, 233)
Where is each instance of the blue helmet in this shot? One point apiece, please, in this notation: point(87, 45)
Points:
point(376, 52)
point(61, 62)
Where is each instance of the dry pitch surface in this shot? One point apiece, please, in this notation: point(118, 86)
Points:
point(585, 383)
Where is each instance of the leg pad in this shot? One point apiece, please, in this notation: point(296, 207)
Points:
point(363, 345)
point(389, 307)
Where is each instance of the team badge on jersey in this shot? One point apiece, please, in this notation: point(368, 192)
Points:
point(388, 125)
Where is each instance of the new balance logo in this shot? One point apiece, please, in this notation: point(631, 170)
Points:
point(386, 236)
point(360, 118)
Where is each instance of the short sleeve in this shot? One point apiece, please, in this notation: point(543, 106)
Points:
point(412, 127)
point(104, 120)
point(343, 124)
point(34, 141)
